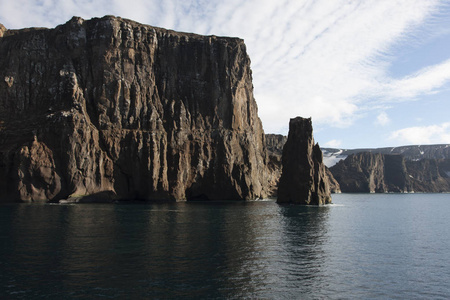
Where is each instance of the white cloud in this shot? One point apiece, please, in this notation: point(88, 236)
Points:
point(383, 119)
point(333, 144)
point(324, 59)
point(426, 81)
point(433, 134)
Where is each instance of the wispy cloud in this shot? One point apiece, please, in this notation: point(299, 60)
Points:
point(382, 119)
point(426, 81)
point(333, 144)
point(432, 134)
point(325, 59)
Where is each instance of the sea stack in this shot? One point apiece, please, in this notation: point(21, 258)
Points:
point(303, 177)
point(109, 106)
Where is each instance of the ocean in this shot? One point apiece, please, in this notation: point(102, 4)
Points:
point(363, 246)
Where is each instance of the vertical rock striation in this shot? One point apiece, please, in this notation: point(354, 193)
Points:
point(113, 106)
point(303, 178)
point(274, 146)
point(372, 173)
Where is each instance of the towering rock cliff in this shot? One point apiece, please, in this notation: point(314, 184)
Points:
point(274, 145)
point(303, 177)
point(113, 107)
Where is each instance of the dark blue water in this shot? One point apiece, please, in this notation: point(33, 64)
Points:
point(363, 246)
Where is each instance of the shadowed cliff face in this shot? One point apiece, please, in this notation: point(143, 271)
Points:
point(385, 173)
point(303, 179)
point(429, 175)
point(274, 146)
point(111, 105)
point(371, 173)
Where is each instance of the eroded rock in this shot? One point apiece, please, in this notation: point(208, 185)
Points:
point(131, 110)
point(303, 178)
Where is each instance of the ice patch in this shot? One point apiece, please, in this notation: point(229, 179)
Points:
point(332, 158)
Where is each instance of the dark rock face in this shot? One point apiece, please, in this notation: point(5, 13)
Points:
point(416, 168)
point(111, 106)
point(303, 178)
point(385, 173)
point(371, 173)
point(410, 153)
point(429, 175)
point(335, 188)
point(274, 146)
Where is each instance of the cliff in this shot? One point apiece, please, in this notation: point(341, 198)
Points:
point(429, 175)
point(112, 107)
point(371, 173)
point(274, 146)
point(410, 153)
point(385, 173)
point(303, 178)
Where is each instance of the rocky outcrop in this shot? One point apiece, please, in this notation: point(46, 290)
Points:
point(335, 188)
point(386, 173)
point(371, 173)
point(274, 146)
point(303, 178)
point(2, 30)
point(410, 153)
point(417, 168)
point(429, 175)
point(113, 107)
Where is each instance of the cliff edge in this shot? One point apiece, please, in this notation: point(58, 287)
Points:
point(110, 107)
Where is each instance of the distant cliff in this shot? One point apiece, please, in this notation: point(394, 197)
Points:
point(113, 108)
point(303, 178)
point(368, 172)
point(371, 173)
point(410, 153)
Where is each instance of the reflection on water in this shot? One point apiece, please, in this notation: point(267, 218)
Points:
point(366, 246)
point(304, 233)
point(185, 249)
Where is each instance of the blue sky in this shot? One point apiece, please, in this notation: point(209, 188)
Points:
point(370, 73)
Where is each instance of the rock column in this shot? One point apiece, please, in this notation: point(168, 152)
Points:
point(303, 178)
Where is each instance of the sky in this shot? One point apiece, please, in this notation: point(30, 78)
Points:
point(370, 73)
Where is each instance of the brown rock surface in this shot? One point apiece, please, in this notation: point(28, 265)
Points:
point(372, 173)
point(113, 106)
point(2, 30)
point(303, 178)
point(429, 175)
point(334, 184)
point(274, 146)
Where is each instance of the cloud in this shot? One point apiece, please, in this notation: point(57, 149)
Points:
point(433, 134)
point(328, 60)
point(333, 144)
point(383, 119)
point(426, 81)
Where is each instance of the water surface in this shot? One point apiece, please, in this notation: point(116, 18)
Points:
point(362, 246)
